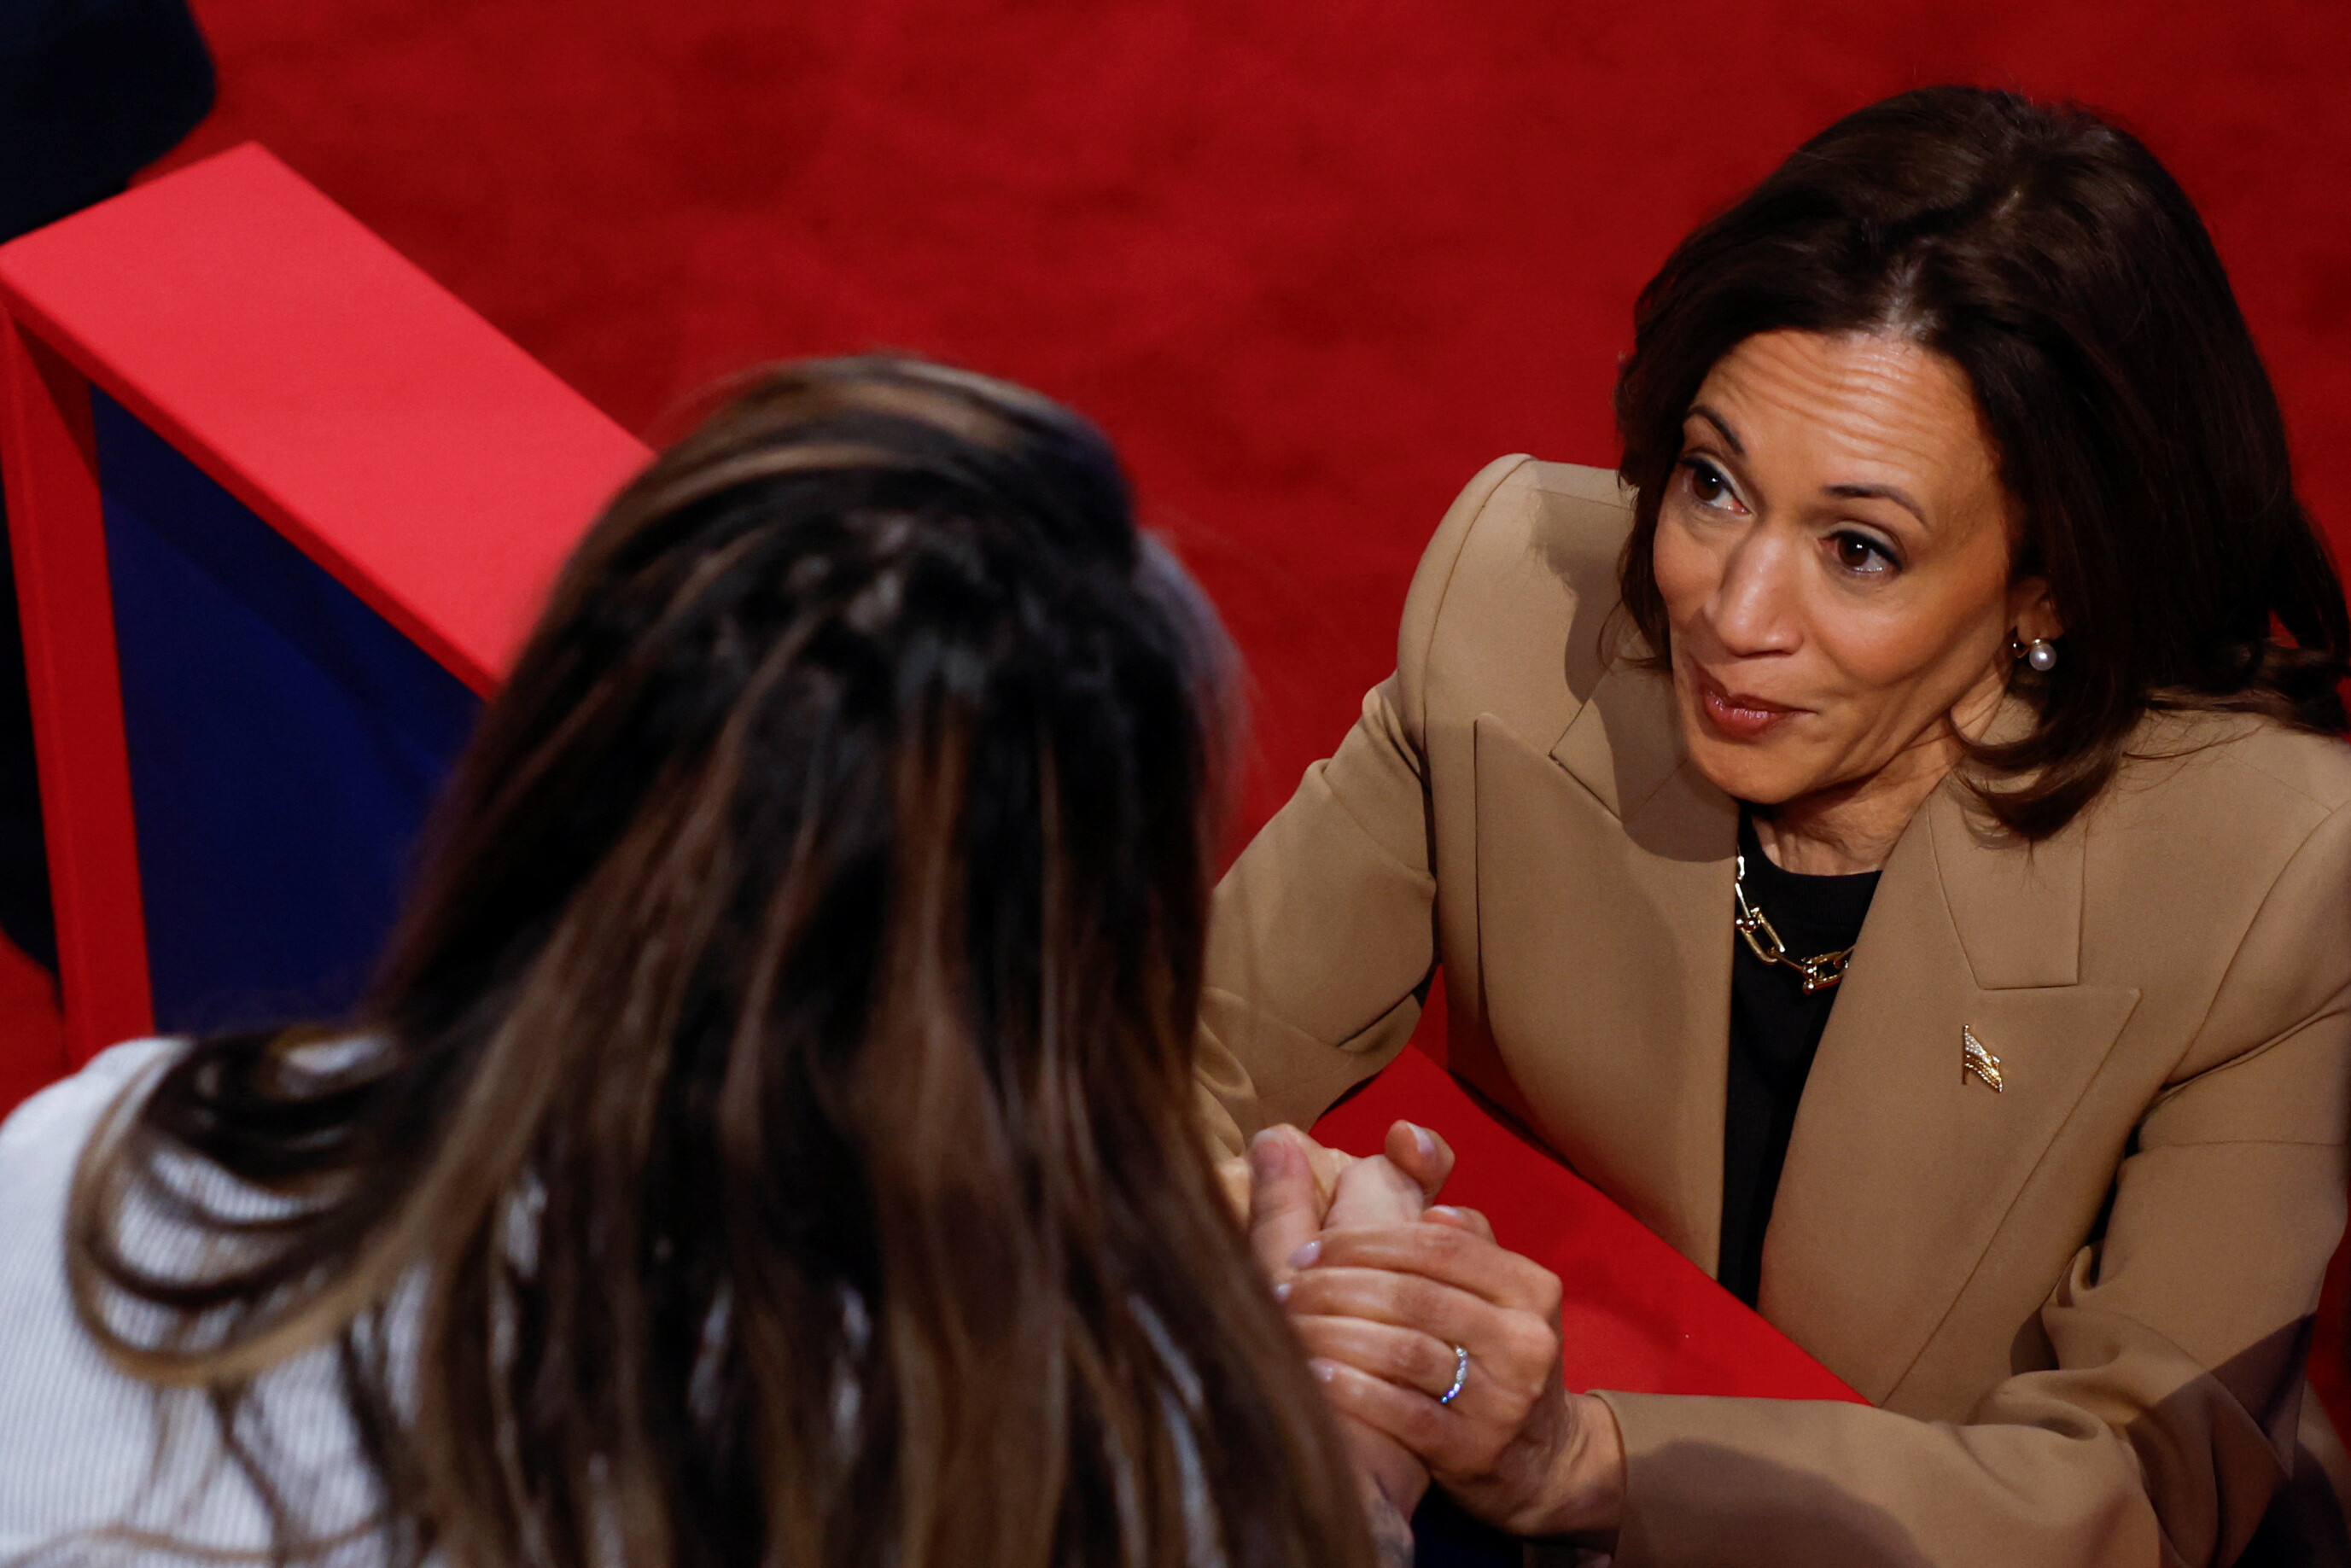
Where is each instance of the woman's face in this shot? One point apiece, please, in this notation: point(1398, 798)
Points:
point(1833, 554)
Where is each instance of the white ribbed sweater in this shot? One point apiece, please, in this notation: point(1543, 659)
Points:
point(79, 1441)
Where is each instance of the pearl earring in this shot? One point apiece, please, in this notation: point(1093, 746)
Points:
point(2042, 656)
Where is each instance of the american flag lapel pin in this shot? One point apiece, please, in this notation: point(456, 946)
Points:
point(1975, 1058)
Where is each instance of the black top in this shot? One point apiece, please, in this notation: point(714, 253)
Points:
point(1774, 1030)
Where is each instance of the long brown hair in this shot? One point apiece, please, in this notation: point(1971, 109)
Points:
point(771, 1140)
point(2050, 257)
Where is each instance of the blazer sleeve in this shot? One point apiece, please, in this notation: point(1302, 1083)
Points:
point(1321, 936)
point(2168, 1422)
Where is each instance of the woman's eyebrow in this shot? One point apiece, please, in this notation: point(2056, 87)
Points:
point(1877, 493)
point(1893, 493)
point(1722, 427)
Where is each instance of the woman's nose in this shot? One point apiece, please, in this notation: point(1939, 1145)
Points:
point(1755, 603)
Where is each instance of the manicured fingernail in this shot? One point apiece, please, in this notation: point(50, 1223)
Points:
point(1282, 1292)
point(1425, 1140)
point(1324, 1370)
point(1304, 1257)
point(1448, 1210)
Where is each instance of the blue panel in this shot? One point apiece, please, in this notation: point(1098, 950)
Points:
point(286, 744)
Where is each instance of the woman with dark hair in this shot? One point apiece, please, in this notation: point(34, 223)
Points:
point(1893, 837)
point(771, 1140)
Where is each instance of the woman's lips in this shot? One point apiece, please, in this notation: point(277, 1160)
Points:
point(1736, 716)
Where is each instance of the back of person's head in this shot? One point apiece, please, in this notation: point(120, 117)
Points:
point(773, 1138)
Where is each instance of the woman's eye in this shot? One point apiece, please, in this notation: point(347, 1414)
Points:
point(1863, 556)
point(1707, 487)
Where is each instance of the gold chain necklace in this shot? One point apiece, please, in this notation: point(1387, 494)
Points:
point(1819, 972)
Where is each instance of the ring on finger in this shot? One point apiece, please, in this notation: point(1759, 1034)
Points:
point(1460, 1376)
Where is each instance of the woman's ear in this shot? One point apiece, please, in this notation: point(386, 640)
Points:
point(2032, 612)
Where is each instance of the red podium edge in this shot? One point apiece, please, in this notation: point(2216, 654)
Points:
point(56, 543)
point(63, 295)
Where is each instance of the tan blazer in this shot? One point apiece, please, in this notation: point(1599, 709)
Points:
point(2080, 1303)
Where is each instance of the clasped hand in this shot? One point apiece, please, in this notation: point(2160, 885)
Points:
point(1381, 1287)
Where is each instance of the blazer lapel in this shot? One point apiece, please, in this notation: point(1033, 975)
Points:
point(1606, 953)
point(1904, 1161)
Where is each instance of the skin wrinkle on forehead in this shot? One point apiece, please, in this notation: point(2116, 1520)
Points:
point(1822, 440)
point(1871, 419)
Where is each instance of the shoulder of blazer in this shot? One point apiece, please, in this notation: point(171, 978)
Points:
point(1508, 607)
point(2223, 845)
point(2183, 768)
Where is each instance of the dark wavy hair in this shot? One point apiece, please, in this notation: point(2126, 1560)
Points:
point(2046, 254)
point(772, 1140)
